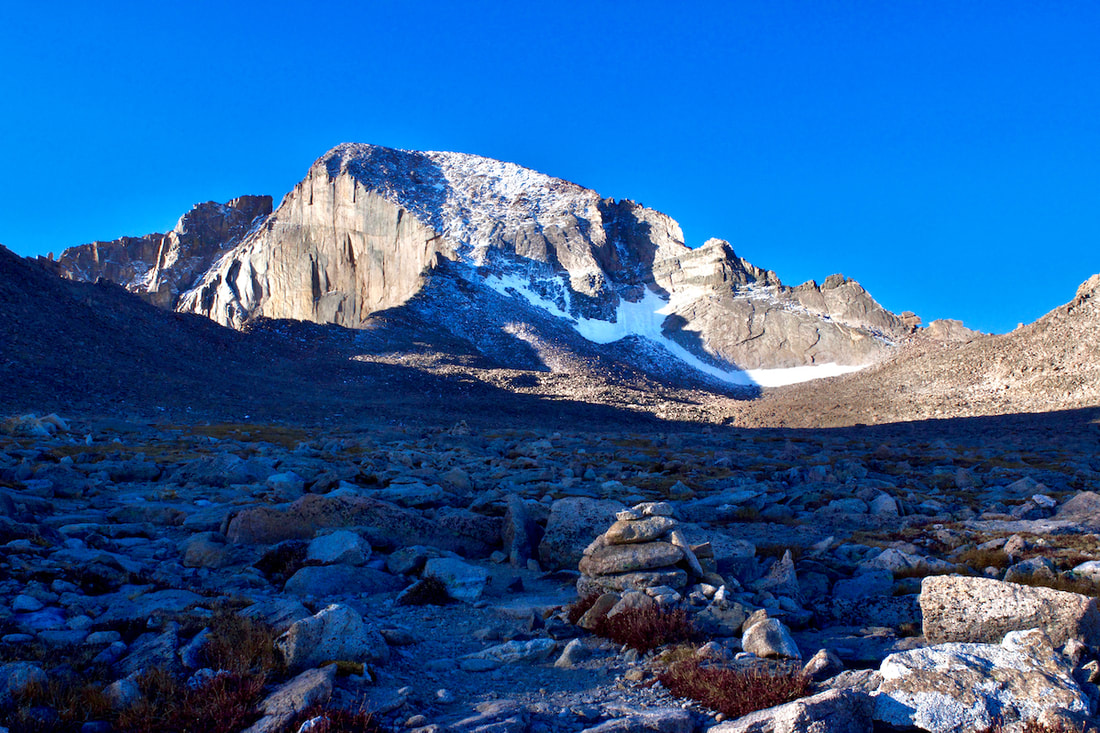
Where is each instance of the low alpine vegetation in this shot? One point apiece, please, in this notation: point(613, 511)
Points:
point(734, 692)
point(647, 628)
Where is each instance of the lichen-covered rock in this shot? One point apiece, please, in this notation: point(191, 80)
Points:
point(958, 688)
point(336, 633)
point(573, 524)
point(832, 711)
point(768, 638)
point(965, 609)
point(464, 582)
point(312, 687)
point(638, 530)
point(630, 558)
point(632, 581)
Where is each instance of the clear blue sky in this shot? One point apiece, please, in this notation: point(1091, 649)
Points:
point(945, 154)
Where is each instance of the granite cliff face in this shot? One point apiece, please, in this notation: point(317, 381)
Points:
point(369, 228)
point(160, 266)
point(534, 270)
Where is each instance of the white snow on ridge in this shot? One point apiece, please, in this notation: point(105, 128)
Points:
point(644, 319)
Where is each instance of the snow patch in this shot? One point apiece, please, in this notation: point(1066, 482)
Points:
point(643, 319)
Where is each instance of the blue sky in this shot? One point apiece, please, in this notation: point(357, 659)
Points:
point(944, 154)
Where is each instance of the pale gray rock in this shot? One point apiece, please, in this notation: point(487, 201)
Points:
point(640, 580)
point(518, 531)
point(414, 494)
point(137, 606)
point(122, 693)
point(632, 601)
point(464, 582)
point(517, 652)
point(958, 608)
point(884, 505)
point(572, 525)
point(221, 469)
point(204, 550)
point(598, 611)
point(630, 558)
point(823, 665)
point(340, 546)
point(575, 651)
point(381, 523)
point(958, 688)
point(832, 711)
point(881, 610)
point(158, 267)
point(781, 578)
point(769, 638)
point(899, 562)
point(312, 687)
point(322, 581)
point(1089, 569)
point(864, 585)
point(657, 720)
point(1032, 569)
point(154, 649)
point(721, 618)
point(336, 632)
point(638, 530)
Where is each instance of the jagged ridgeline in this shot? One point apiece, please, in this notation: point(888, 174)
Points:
point(535, 271)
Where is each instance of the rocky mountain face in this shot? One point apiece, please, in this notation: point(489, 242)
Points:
point(158, 267)
point(1047, 365)
point(546, 271)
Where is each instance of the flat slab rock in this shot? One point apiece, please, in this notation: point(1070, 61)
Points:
point(966, 609)
point(960, 688)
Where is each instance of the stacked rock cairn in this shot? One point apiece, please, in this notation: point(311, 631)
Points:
point(644, 551)
point(644, 560)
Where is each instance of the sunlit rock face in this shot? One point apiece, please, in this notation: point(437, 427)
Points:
point(523, 255)
point(158, 267)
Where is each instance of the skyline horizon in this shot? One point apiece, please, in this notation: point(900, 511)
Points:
point(946, 157)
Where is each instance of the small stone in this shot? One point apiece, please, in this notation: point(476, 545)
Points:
point(769, 638)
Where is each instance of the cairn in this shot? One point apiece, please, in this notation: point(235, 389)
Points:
point(642, 550)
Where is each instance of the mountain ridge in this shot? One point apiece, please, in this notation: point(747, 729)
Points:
point(361, 232)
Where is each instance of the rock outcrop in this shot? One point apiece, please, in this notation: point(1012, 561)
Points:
point(370, 229)
point(956, 688)
point(158, 267)
point(958, 608)
point(1043, 366)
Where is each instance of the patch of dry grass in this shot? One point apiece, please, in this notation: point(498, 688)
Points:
point(734, 692)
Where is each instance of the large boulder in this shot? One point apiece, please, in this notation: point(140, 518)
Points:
point(573, 524)
point(959, 688)
point(382, 524)
point(464, 582)
point(320, 581)
point(832, 711)
point(312, 687)
point(965, 609)
point(336, 633)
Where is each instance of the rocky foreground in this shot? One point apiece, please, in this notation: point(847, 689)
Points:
point(935, 577)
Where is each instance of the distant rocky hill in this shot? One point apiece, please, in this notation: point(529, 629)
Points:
point(534, 271)
point(1051, 364)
